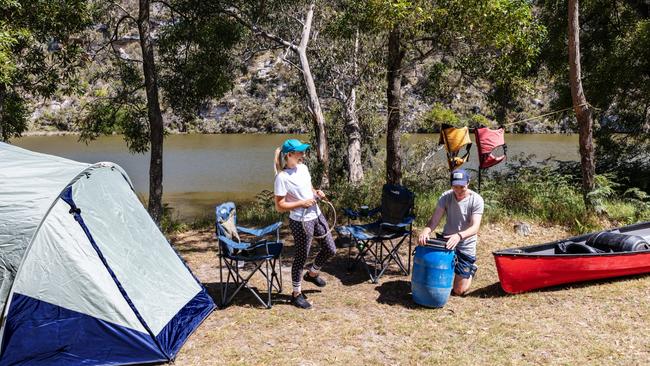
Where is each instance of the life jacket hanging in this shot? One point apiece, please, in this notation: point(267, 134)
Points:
point(487, 142)
point(454, 139)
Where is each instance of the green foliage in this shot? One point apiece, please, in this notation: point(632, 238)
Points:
point(194, 64)
point(520, 190)
point(637, 203)
point(604, 188)
point(534, 191)
point(370, 126)
point(40, 52)
point(437, 116)
point(118, 106)
point(195, 56)
point(259, 212)
point(170, 223)
point(368, 193)
point(480, 120)
point(436, 84)
point(615, 61)
point(13, 114)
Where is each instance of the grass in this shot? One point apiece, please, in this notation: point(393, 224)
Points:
point(356, 322)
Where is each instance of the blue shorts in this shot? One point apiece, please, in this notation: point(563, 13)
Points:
point(465, 266)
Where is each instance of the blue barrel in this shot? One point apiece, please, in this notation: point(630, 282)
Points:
point(433, 275)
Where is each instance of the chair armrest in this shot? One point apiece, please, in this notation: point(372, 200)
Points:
point(261, 231)
point(233, 244)
point(406, 222)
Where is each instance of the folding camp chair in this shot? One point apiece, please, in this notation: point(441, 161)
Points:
point(454, 139)
point(375, 241)
point(487, 142)
point(264, 254)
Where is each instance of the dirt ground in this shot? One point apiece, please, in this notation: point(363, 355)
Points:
point(356, 322)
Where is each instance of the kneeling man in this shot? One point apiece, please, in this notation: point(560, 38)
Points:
point(464, 209)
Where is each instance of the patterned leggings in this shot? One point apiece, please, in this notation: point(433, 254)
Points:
point(303, 241)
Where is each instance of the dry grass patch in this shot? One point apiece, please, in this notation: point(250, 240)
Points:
point(356, 322)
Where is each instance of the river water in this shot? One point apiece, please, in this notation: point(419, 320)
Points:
point(203, 170)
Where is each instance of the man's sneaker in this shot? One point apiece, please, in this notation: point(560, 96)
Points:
point(300, 301)
point(318, 281)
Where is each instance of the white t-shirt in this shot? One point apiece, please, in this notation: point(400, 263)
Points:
point(295, 185)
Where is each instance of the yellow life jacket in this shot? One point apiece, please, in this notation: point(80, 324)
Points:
point(454, 140)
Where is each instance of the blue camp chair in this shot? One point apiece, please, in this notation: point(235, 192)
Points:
point(264, 254)
point(375, 241)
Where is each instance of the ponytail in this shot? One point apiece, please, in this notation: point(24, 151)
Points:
point(278, 165)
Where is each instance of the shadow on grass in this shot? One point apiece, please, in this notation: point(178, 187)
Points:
point(494, 290)
point(352, 271)
point(245, 298)
point(396, 293)
point(187, 249)
point(491, 291)
point(339, 267)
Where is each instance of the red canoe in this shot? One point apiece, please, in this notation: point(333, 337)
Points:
point(612, 253)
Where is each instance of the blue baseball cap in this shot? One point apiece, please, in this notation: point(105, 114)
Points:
point(293, 145)
point(459, 177)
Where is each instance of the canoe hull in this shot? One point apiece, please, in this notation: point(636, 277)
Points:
point(543, 265)
point(524, 273)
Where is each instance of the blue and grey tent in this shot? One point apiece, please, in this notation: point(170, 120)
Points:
point(86, 277)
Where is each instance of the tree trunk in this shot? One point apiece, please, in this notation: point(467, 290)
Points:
point(154, 114)
point(355, 167)
point(354, 139)
point(503, 97)
point(580, 106)
point(314, 106)
point(394, 78)
point(322, 153)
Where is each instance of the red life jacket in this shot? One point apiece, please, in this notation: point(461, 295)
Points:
point(487, 141)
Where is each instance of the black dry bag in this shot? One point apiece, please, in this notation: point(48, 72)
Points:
point(617, 242)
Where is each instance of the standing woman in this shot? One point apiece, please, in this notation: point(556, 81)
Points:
point(294, 192)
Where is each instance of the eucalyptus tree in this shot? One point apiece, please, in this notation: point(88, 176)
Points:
point(348, 66)
point(40, 51)
point(183, 52)
point(580, 105)
point(491, 39)
point(615, 74)
point(288, 24)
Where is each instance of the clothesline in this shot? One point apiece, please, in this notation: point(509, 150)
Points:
point(547, 114)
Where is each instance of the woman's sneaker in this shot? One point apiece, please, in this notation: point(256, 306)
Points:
point(300, 301)
point(318, 281)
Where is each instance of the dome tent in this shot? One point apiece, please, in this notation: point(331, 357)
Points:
point(86, 277)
